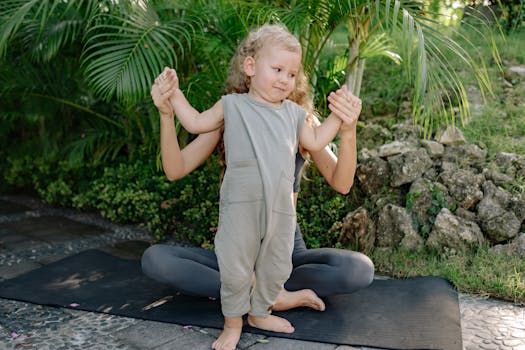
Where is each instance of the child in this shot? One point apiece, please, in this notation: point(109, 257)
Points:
point(257, 216)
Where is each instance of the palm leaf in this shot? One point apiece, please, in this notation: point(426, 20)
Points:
point(43, 27)
point(125, 52)
point(424, 50)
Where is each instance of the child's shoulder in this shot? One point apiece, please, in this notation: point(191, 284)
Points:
point(234, 95)
point(293, 106)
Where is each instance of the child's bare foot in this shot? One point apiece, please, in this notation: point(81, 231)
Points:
point(305, 297)
point(271, 323)
point(230, 334)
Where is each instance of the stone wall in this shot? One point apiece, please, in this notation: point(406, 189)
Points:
point(442, 194)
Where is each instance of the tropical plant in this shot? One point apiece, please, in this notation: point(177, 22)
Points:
point(55, 83)
point(78, 73)
point(404, 31)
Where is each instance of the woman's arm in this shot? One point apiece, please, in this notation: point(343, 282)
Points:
point(339, 171)
point(176, 162)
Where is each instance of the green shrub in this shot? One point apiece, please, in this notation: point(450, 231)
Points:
point(138, 193)
point(320, 209)
point(127, 193)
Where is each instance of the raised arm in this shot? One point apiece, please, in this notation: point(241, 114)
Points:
point(316, 138)
point(192, 120)
point(339, 171)
point(176, 162)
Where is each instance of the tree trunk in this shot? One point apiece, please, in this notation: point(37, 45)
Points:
point(354, 69)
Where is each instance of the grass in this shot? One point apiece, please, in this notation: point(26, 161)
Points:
point(479, 272)
point(500, 125)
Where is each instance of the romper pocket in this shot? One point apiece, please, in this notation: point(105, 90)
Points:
point(242, 183)
point(283, 202)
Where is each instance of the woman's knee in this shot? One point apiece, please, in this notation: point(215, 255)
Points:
point(355, 270)
point(150, 257)
point(364, 270)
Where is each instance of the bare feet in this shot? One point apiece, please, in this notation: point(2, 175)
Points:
point(230, 334)
point(305, 297)
point(271, 323)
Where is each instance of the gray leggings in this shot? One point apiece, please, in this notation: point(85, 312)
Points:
point(194, 271)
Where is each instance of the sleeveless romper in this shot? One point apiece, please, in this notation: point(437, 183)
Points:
point(256, 211)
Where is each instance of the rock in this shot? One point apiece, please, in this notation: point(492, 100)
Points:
point(454, 232)
point(409, 166)
point(495, 176)
point(358, 231)
point(373, 135)
point(407, 131)
point(433, 148)
point(511, 164)
point(394, 148)
point(516, 72)
point(466, 214)
point(451, 136)
point(475, 99)
point(394, 228)
point(366, 153)
point(498, 221)
point(373, 173)
point(424, 201)
point(464, 155)
point(464, 186)
point(515, 248)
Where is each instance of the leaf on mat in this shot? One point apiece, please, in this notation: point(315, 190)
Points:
point(262, 340)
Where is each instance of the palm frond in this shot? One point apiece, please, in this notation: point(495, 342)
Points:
point(13, 14)
point(124, 53)
point(43, 27)
point(425, 51)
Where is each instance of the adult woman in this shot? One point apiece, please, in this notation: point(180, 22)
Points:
point(316, 272)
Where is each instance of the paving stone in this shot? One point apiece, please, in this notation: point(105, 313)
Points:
point(148, 335)
point(52, 228)
point(291, 344)
point(11, 271)
point(192, 340)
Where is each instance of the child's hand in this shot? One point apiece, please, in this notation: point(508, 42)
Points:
point(166, 84)
point(345, 106)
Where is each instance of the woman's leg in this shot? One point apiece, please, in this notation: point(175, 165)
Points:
point(329, 271)
point(190, 270)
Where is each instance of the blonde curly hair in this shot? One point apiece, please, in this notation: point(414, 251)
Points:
point(267, 34)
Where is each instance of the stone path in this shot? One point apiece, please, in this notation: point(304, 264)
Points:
point(486, 323)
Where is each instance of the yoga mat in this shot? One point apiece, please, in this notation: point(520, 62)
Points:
point(416, 313)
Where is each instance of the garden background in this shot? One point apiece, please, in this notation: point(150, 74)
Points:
point(78, 128)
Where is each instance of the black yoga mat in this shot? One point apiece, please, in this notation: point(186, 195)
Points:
point(417, 313)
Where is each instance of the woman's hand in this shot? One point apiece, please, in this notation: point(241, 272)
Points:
point(164, 87)
point(346, 106)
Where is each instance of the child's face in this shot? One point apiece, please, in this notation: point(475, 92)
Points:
point(273, 73)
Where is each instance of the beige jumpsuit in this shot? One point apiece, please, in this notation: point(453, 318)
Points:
point(256, 215)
